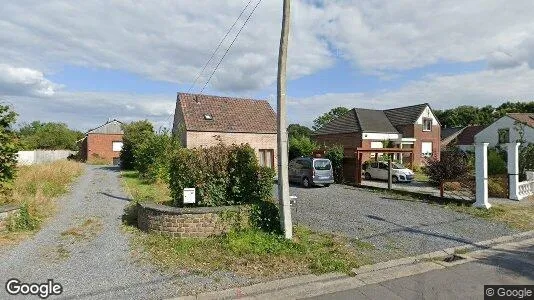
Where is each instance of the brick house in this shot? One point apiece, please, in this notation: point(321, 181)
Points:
point(203, 121)
point(103, 143)
point(412, 127)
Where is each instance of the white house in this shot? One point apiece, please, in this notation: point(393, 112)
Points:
point(507, 129)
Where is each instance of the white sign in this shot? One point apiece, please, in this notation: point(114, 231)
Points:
point(189, 196)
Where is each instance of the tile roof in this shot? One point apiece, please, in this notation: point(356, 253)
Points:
point(372, 120)
point(525, 118)
point(405, 115)
point(227, 114)
point(467, 136)
point(447, 132)
point(110, 127)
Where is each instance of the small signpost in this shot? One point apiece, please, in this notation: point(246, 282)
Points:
point(189, 196)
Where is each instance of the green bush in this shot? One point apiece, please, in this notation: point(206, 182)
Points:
point(222, 175)
point(301, 146)
point(265, 215)
point(8, 149)
point(151, 156)
point(496, 163)
point(134, 135)
point(335, 154)
point(24, 220)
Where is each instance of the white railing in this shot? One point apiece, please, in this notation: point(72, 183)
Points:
point(525, 189)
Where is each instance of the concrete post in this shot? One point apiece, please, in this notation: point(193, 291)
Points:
point(513, 171)
point(481, 173)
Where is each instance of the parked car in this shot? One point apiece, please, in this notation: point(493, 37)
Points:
point(310, 171)
point(379, 170)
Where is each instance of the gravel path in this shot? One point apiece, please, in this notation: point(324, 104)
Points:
point(396, 227)
point(85, 250)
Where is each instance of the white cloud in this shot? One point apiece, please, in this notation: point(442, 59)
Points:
point(489, 87)
point(164, 40)
point(24, 81)
point(400, 35)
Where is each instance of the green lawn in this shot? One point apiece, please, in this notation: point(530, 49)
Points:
point(143, 191)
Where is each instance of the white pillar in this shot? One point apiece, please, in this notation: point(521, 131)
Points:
point(481, 173)
point(513, 170)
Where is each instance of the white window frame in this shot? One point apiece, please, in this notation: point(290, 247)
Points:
point(429, 120)
point(426, 154)
point(114, 144)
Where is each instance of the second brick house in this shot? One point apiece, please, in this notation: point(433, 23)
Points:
point(412, 127)
point(204, 120)
point(103, 143)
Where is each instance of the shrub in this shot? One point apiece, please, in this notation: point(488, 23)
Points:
point(8, 148)
point(24, 221)
point(151, 156)
point(134, 135)
point(301, 146)
point(222, 175)
point(265, 216)
point(496, 163)
point(454, 164)
point(497, 187)
point(336, 154)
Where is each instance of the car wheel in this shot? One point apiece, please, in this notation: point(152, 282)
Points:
point(367, 176)
point(306, 182)
point(395, 179)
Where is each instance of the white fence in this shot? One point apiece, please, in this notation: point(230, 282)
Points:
point(525, 189)
point(42, 156)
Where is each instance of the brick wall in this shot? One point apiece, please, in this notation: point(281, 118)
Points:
point(257, 141)
point(102, 146)
point(6, 212)
point(187, 222)
point(421, 136)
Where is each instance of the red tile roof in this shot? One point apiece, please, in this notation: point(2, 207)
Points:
point(467, 136)
point(525, 118)
point(227, 114)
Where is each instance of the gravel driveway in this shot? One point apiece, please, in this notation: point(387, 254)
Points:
point(396, 227)
point(85, 250)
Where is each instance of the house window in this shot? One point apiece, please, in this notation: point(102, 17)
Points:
point(117, 146)
point(426, 149)
point(427, 124)
point(504, 135)
point(267, 158)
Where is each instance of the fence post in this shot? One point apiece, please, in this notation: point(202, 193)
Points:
point(389, 173)
point(441, 189)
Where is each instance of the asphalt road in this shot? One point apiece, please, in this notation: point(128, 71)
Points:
point(464, 281)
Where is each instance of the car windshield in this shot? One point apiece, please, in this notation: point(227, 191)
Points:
point(322, 164)
point(398, 166)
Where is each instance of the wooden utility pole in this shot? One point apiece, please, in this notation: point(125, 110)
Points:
point(283, 180)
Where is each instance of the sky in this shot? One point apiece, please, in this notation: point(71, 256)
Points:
point(84, 62)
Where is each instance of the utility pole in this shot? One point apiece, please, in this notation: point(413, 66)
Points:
point(283, 180)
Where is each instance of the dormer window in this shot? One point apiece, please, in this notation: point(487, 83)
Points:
point(427, 124)
point(208, 117)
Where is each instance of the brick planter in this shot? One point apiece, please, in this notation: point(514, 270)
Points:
point(191, 221)
point(7, 211)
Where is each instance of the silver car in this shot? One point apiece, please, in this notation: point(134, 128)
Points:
point(310, 171)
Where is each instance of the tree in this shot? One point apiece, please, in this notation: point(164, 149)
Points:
point(301, 146)
point(134, 135)
point(466, 115)
point(329, 116)
point(454, 164)
point(49, 136)
point(8, 147)
point(297, 130)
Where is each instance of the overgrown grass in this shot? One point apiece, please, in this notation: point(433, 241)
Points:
point(142, 190)
point(256, 253)
point(516, 215)
point(420, 176)
point(35, 189)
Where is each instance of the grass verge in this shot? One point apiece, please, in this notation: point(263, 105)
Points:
point(142, 190)
point(255, 253)
point(35, 189)
point(516, 215)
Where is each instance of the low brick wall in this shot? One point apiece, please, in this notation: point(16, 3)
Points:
point(191, 221)
point(7, 211)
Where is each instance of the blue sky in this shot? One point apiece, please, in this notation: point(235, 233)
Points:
point(92, 62)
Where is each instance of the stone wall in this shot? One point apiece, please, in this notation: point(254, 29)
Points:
point(7, 211)
point(190, 222)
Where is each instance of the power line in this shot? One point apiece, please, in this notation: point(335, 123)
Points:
point(231, 44)
point(219, 46)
